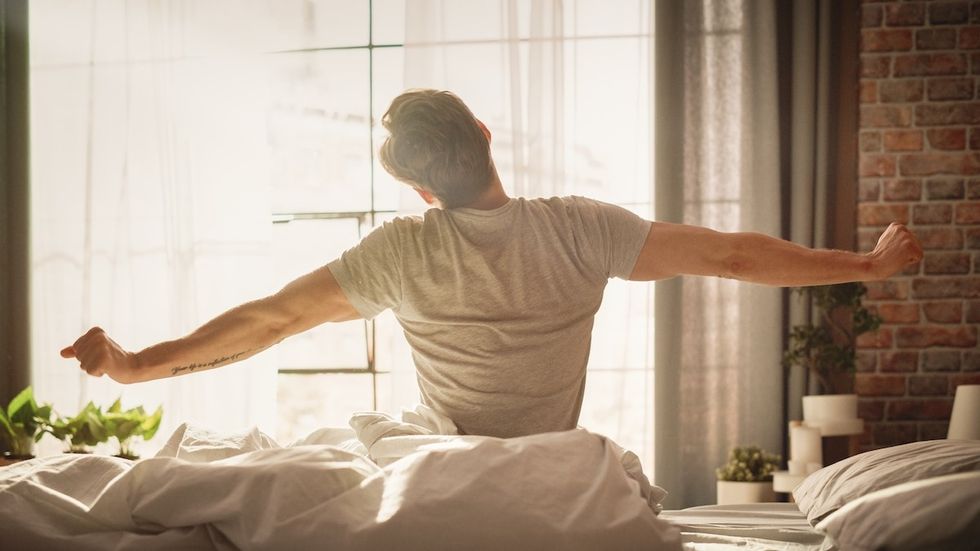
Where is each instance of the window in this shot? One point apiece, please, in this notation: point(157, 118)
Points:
point(190, 156)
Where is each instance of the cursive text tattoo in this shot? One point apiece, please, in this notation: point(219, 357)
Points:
point(190, 368)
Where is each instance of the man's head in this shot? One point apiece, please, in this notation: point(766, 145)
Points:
point(437, 145)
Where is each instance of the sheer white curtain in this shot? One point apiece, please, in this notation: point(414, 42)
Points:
point(150, 203)
point(719, 379)
point(565, 88)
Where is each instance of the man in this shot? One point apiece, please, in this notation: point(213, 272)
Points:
point(496, 295)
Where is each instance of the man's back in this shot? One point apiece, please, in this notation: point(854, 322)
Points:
point(497, 305)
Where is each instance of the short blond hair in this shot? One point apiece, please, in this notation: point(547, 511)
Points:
point(437, 144)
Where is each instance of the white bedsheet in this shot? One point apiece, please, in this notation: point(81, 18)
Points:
point(564, 490)
point(751, 527)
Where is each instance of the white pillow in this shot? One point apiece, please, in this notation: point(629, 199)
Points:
point(832, 487)
point(936, 513)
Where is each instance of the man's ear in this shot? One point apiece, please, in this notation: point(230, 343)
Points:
point(427, 197)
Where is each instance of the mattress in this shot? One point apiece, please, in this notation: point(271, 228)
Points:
point(755, 526)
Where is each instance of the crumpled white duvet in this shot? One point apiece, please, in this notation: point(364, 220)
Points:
point(386, 485)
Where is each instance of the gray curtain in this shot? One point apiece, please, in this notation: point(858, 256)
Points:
point(745, 125)
point(718, 378)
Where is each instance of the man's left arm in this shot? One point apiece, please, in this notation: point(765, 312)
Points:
point(678, 249)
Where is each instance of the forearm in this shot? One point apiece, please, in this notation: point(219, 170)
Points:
point(767, 260)
point(234, 335)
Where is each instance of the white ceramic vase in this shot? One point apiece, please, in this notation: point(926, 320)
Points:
point(731, 493)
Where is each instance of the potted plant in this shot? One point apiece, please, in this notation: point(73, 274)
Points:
point(81, 432)
point(21, 425)
point(826, 348)
point(747, 477)
point(129, 424)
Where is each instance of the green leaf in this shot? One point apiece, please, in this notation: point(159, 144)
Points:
point(116, 406)
point(151, 424)
point(22, 407)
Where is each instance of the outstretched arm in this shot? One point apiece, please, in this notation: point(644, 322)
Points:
point(232, 336)
point(677, 249)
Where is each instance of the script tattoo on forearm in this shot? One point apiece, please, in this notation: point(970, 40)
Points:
point(190, 368)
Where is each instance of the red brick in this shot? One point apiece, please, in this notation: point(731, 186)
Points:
point(975, 13)
point(935, 335)
point(973, 189)
point(935, 39)
point(919, 410)
point(944, 189)
point(871, 410)
point(879, 385)
point(871, 16)
point(948, 139)
point(868, 190)
point(947, 263)
point(969, 38)
point(939, 238)
point(903, 140)
point(893, 434)
point(870, 214)
point(899, 312)
point(866, 361)
point(949, 13)
point(943, 312)
point(941, 360)
point(868, 238)
point(882, 338)
point(876, 66)
point(973, 238)
point(869, 91)
point(932, 213)
point(975, 138)
point(931, 164)
point(904, 15)
point(901, 361)
point(973, 311)
point(870, 141)
point(968, 213)
point(945, 89)
point(971, 361)
point(933, 431)
point(879, 116)
point(947, 114)
point(930, 65)
point(887, 290)
point(900, 91)
point(964, 379)
point(902, 190)
point(928, 385)
point(886, 40)
point(877, 165)
point(946, 287)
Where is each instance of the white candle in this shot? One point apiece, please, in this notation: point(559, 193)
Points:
point(804, 445)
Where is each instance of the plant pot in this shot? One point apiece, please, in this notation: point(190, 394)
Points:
point(730, 493)
point(10, 458)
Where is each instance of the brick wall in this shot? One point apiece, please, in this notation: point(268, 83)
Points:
point(919, 163)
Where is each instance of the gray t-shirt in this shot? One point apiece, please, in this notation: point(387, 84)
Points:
point(497, 305)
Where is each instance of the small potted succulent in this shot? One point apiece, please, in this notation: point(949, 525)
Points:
point(126, 425)
point(21, 425)
point(826, 348)
point(747, 477)
point(81, 432)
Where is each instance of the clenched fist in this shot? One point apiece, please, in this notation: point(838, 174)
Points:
point(896, 249)
point(99, 355)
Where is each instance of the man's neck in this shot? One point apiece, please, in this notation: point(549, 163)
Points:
point(493, 198)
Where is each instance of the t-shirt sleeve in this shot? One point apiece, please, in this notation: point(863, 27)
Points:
point(369, 273)
point(615, 236)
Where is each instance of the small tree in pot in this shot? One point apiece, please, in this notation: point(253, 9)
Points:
point(826, 349)
point(747, 477)
point(81, 432)
point(129, 424)
point(22, 424)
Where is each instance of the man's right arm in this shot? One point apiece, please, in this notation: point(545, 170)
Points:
point(234, 335)
point(678, 249)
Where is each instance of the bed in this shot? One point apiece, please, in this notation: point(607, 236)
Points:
point(411, 483)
